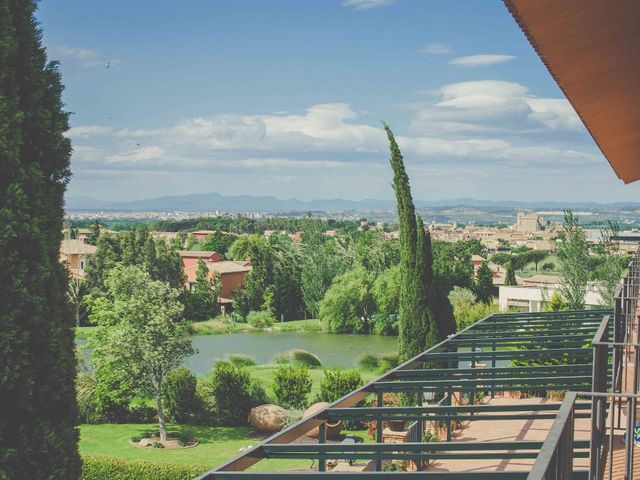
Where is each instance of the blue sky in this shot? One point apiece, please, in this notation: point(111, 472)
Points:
point(286, 98)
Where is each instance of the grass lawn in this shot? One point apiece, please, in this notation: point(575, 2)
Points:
point(220, 325)
point(217, 445)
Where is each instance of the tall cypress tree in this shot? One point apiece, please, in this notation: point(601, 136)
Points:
point(38, 438)
point(417, 330)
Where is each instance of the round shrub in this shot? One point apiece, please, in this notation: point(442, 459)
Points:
point(304, 358)
point(336, 383)
point(233, 393)
point(389, 361)
point(180, 399)
point(241, 360)
point(260, 319)
point(291, 386)
point(369, 362)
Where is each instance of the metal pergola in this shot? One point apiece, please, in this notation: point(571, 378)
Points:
point(585, 353)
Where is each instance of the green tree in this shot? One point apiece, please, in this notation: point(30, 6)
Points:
point(321, 262)
point(415, 321)
point(202, 300)
point(483, 285)
point(574, 254)
point(610, 270)
point(556, 303)
point(139, 333)
point(92, 238)
point(510, 275)
point(246, 247)
point(386, 291)
point(38, 438)
point(348, 304)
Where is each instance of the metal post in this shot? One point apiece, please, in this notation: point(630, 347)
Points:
point(380, 400)
point(420, 425)
point(493, 365)
point(322, 463)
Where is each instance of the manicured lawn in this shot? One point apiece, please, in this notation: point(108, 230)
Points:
point(220, 325)
point(311, 325)
point(217, 445)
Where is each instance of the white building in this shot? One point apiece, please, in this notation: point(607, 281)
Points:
point(534, 298)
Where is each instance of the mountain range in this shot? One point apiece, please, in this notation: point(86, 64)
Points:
point(201, 202)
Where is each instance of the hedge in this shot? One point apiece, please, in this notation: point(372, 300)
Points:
point(109, 468)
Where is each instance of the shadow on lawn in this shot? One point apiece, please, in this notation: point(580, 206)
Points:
point(204, 434)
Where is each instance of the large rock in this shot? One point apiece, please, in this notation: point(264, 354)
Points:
point(267, 418)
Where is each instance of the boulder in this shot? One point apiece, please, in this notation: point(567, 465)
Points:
point(145, 442)
point(267, 418)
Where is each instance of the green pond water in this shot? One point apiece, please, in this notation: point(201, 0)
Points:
point(333, 350)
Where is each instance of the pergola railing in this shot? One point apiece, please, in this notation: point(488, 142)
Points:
point(519, 352)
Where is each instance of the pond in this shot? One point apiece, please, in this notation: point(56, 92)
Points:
point(333, 350)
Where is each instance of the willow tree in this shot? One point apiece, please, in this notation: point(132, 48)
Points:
point(38, 437)
point(417, 330)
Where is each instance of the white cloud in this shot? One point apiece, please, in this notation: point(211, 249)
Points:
point(492, 107)
point(481, 60)
point(484, 126)
point(435, 49)
point(367, 4)
point(140, 156)
point(86, 131)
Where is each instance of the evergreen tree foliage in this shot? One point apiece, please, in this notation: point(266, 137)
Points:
point(417, 331)
point(38, 438)
point(510, 275)
point(202, 301)
point(92, 238)
point(483, 285)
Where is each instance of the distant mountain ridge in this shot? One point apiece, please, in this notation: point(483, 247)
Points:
point(269, 204)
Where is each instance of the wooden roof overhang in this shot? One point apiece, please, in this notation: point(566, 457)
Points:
point(592, 50)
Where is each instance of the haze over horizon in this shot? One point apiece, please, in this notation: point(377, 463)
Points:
point(227, 97)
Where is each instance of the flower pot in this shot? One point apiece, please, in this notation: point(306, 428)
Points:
point(396, 425)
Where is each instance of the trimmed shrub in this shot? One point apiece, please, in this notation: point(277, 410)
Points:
point(180, 399)
point(337, 383)
point(389, 361)
point(304, 358)
point(260, 319)
point(241, 360)
point(291, 386)
point(234, 393)
point(108, 468)
point(369, 362)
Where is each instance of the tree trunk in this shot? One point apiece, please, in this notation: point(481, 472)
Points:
point(78, 314)
point(161, 419)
